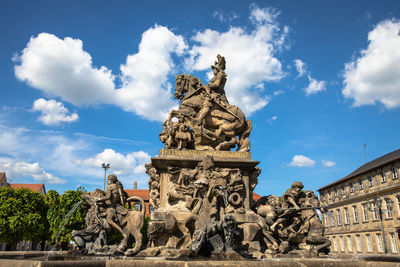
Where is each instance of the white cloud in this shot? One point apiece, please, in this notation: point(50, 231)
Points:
point(300, 67)
point(314, 86)
point(375, 75)
point(224, 16)
point(17, 169)
point(60, 67)
point(272, 119)
point(53, 112)
point(128, 164)
point(250, 57)
point(145, 88)
point(328, 163)
point(301, 161)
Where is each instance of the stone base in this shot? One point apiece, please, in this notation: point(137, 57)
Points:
point(60, 259)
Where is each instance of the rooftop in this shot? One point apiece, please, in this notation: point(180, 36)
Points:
point(33, 187)
point(385, 159)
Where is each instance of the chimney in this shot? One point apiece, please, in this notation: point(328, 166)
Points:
point(135, 185)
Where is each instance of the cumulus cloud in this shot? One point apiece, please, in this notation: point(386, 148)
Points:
point(128, 164)
point(17, 169)
point(250, 57)
point(145, 88)
point(301, 161)
point(328, 163)
point(314, 86)
point(53, 112)
point(375, 75)
point(60, 67)
point(300, 67)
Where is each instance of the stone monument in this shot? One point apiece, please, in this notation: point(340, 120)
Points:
point(202, 191)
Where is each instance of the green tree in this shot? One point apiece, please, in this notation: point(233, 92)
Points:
point(58, 207)
point(22, 215)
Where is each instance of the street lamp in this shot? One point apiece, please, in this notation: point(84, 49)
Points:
point(105, 167)
point(378, 207)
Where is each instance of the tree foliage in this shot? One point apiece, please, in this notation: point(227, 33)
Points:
point(59, 206)
point(22, 215)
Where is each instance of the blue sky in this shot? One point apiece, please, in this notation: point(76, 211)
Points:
point(86, 82)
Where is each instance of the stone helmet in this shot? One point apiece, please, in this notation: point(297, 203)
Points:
point(298, 184)
point(112, 178)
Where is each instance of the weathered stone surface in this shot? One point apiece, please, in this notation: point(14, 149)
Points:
point(205, 119)
point(107, 211)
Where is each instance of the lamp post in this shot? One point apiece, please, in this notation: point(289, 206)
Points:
point(378, 207)
point(105, 167)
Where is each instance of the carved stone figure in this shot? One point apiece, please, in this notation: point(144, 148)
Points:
point(93, 237)
point(107, 211)
point(206, 114)
point(154, 184)
point(294, 222)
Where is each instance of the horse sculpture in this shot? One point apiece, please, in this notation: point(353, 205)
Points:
point(223, 123)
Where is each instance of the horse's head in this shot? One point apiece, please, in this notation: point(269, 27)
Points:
point(180, 86)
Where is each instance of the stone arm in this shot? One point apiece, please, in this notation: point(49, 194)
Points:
point(105, 198)
point(217, 82)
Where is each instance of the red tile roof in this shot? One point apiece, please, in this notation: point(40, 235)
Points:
point(256, 196)
point(33, 187)
point(142, 193)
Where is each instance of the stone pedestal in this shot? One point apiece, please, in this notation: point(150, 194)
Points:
point(202, 183)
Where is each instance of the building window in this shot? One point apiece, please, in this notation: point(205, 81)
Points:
point(332, 198)
point(339, 217)
point(365, 213)
point(389, 208)
point(333, 220)
point(369, 243)
point(351, 187)
point(383, 174)
point(395, 173)
point(336, 192)
point(343, 189)
point(355, 213)
point(359, 243)
point(151, 208)
point(375, 211)
point(346, 216)
point(379, 241)
point(370, 181)
point(349, 244)
point(342, 244)
point(334, 243)
point(360, 184)
point(393, 241)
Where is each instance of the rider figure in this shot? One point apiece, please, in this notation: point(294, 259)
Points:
point(215, 90)
point(289, 200)
point(114, 201)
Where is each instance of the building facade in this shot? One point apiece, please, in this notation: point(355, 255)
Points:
point(364, 208)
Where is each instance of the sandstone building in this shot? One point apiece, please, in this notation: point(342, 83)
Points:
point(364, 208)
